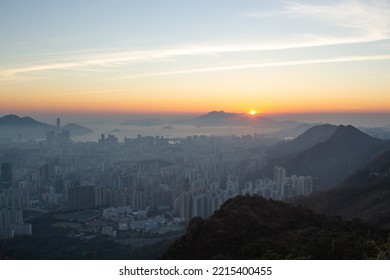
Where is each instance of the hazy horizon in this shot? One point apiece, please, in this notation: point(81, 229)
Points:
point(355, 119)
point(130, 57)
point(148, 166)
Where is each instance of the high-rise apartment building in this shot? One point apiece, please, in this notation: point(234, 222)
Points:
point(6, 175)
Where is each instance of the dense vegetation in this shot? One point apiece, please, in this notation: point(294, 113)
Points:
point(253, 227)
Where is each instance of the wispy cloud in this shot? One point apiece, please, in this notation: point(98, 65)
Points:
point(117, 59)
point(257, 65)
point(370, 18)
point(367, 21)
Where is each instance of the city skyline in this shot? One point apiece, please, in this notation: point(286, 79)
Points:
point(132, 57)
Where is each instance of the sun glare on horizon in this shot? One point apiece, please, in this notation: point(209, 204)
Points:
point(192, 69)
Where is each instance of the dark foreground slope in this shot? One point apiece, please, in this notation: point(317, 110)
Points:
point(365, 194)
point(253, 227)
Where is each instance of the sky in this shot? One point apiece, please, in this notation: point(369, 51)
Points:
point(194, 56)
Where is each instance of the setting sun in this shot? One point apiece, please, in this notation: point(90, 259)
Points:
point(252, 112)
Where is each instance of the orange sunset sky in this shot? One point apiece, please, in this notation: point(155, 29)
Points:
point(194, 56)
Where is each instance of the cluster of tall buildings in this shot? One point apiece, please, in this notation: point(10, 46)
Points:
point(190, 176)
point(291, 186)
point(13, 199)
point(12, 224)
point(6, 175)
point(93, 196)
point(203, 204)
point(281, 187)
point(59, 136)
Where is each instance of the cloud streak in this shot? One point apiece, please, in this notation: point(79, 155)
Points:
point(118, 59)
point(367, 21)
point(258, 65)
point(370, 18)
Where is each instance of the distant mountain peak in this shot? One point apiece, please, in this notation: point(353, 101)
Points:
point(312, 136)
point(218, 114)
point(350, 133)
point(347, 128)
point(222, 118)
point(319, 129)
point(346, 150)
point(15, 126)
point(15, 120)
point(10, 117)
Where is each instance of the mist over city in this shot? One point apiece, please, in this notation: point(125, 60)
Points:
point(134, 196)
point(194, 130)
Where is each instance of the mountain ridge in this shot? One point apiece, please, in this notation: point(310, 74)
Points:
point(29, 128)
point(15, 120)
point(222, 118)
point(364, 194)
point(252, 227)
point(306, 140)
point(329, 162)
